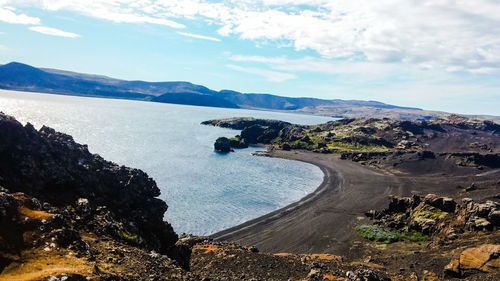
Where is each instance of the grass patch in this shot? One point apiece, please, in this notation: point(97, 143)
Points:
point(130, 238)
point(277, 140)
point(299, 144)
point(414, 236)
point(378, 234)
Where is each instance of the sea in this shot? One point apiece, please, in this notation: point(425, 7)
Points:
point(206, 191)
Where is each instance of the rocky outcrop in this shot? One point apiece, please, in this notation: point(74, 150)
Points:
point(222, 144)
point(253, 130)
point(485, 258)
point(476, 159)
point(441, 135)
point(441, 218)
point(260, 134)
point(225, 145)
point(55, 169)
point(245, 122)
point(35, 234)
point(237, 142)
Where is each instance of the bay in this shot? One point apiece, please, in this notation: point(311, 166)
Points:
point(206, 191)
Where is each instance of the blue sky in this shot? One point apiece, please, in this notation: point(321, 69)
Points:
point(439, 54)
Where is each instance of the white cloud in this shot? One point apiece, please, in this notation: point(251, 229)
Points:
point(272, 76)
point(119, 11)
point(457, 35)
point(53, 31)
point(198, 36)
point(9, 16)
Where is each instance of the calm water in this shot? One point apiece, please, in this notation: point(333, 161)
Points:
point(206, 192)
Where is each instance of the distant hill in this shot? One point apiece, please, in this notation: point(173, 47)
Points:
point(22, 77)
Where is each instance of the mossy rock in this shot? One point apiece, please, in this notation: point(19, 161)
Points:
point(129, 238)
point(222, 144)
point(428, 212)
point(379, 234)
point(237, 142)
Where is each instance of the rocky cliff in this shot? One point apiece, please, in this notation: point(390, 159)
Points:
point(53, 168)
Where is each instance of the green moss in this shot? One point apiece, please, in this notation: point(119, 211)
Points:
point(414, 236)
point(429, 212)
point(277, 140)
point(377, 233)
point(326, 142)
point(344, 147)
point(234, 139)
point(130, 238)
point(299, 144)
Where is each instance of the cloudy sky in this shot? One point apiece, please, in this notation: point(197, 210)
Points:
point(437, 54)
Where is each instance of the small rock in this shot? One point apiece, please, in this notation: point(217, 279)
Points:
point(471, 187)
point(494, 217)
point(222, 144)
point(313, 273)
point(452, 269)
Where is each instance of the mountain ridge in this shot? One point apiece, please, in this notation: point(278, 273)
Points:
point(23, 77)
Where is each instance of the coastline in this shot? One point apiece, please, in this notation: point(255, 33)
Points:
point(323, 221)
point(311, 224)
point(226, 234)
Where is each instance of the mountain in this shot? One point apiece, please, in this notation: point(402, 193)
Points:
point(22, 77)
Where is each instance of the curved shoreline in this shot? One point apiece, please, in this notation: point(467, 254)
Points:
point(323, 220)
point(227, 234)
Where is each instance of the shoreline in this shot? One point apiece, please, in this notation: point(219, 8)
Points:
point(311, 225)
point(323, 221)
point(309, 198)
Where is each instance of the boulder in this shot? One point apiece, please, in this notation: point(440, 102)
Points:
point(399, 204)
point(494, 217)
point(452, 269)
point(222, 144)
point(444, 204)
point(484, 258)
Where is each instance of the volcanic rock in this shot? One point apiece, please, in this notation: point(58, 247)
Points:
point(222, 144)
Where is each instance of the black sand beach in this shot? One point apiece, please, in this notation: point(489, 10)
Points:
point(323, 221)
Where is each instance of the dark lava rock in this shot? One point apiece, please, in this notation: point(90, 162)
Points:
point(242, 123)
point(443, 203)
point(65, 237)
point(223, 145)
point(260, 134)
point(426, 155)
point(52, 167)
point(471, 187)
point(237, 142)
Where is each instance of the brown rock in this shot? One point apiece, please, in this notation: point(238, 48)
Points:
point(483, 258)
point(452, 268)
